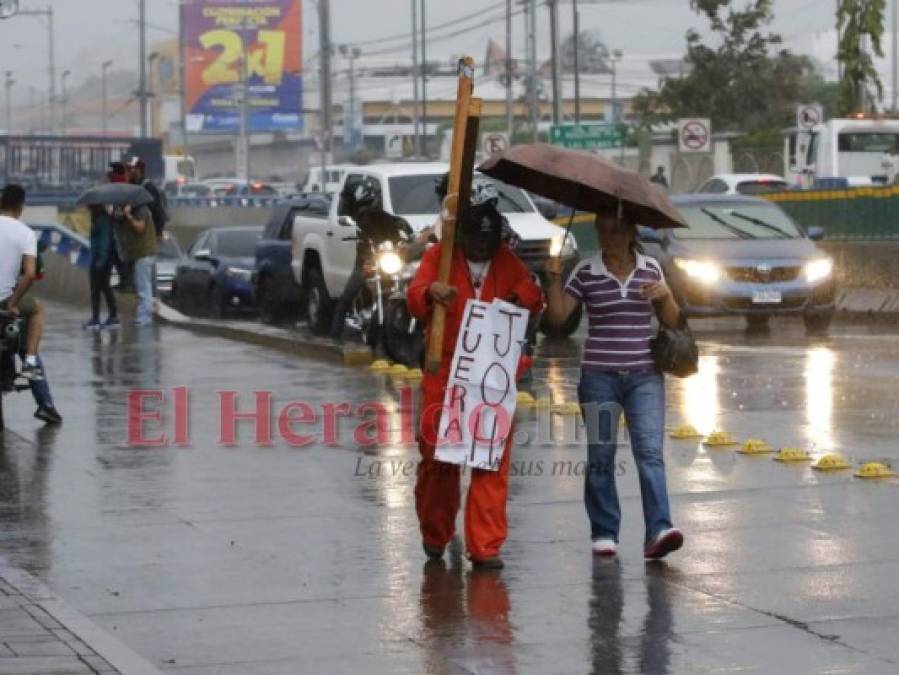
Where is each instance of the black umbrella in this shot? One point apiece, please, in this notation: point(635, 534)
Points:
point(115, 194)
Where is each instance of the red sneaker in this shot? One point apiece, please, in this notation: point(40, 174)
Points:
point(666, 542)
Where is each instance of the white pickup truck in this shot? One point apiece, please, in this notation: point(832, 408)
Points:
point(322, 261)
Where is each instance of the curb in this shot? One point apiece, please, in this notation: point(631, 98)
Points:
point(259, 334)
point(107, 647)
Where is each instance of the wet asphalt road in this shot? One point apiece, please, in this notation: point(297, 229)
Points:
point(246, 559)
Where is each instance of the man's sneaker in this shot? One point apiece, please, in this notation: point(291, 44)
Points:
point(666, 542)
point(433, 552)
point(491, 563)
point(32, 372)
point(92, 325)
point(48, 414)
point(605, 547)
point(112, 323)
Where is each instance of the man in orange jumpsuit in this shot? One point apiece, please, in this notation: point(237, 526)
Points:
point(483, 268)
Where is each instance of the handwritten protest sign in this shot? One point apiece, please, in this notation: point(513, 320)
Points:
point(481, 392)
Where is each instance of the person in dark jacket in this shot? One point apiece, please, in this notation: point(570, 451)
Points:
point(102, 239)
point(375, 226)
point(137, 175)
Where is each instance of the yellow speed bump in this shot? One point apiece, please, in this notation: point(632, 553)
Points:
point(719, 439)
point(755, 446)
point(874, 470)
point(544, 404)
point(379, 366)
point(792, 455)
point(525, 400)
point(397, 369)
point(413, 374)
point(831, 462)
point(685, 432)
point(569, 408)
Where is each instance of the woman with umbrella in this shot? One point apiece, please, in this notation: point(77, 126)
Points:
point(619, 288)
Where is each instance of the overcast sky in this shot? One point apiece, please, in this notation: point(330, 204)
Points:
point(90, 31)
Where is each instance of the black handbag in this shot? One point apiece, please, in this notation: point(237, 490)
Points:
point(675, 351)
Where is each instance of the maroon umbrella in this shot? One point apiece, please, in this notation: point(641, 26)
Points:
point(585, 181)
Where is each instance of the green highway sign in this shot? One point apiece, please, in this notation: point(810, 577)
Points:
point(586, 136)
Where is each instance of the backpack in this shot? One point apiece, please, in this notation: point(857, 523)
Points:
point(159, 209)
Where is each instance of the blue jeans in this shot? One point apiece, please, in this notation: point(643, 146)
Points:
point(40, 389)
point(642, 397)
point(143, 284)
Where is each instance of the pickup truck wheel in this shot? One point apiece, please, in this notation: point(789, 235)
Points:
point(215, 302)
point(268, 306)
point(318, 302)
point(565, 330)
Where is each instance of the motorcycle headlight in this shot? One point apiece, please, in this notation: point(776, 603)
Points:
point(562, 245)
point(819, 269)
point(240, 273)
point(701, 270)
point(389, 262)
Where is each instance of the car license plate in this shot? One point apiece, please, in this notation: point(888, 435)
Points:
point(767, 298)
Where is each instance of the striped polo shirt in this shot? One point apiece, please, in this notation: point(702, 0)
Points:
point(620, 318)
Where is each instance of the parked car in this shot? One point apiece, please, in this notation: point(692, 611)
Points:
point(215, 276)
point(744, 256)
point(743, 184)
point(278, 295)
point(323, 259)
point(168, 254)
point(175, 188)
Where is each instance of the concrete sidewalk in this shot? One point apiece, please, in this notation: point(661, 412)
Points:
point(41, 633)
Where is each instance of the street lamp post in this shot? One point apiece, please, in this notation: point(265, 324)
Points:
point(65, 100)
point(104, 96)
point(52, 65)
point(150, 94)
point(243, 145)
point(8, 82)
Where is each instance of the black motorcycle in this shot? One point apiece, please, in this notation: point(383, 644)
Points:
point(12, 340)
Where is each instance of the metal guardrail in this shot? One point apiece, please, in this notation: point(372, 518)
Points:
point(64, 242)
point(212, 202)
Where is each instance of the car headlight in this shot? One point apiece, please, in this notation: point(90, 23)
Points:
point(240, 273)
point(562, 245)
point(701, 270)
point(817, 270)
point(389, 262)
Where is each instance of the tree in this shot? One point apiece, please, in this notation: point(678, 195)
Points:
point(858, 21)
point(593, 54)
point(739, 84)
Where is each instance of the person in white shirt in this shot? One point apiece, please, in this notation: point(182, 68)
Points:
point(18, 269)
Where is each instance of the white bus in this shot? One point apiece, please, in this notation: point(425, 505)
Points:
point(863, 151)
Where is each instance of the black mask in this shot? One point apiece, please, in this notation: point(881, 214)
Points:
point(480, 234)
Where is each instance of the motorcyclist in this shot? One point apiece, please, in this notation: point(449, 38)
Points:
point(375, 227)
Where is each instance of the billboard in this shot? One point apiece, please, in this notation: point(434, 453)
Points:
point(222, 39)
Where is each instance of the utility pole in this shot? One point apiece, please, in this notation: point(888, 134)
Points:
point(533, 100)
point(242, 159)
point(424, 80)
point(142, 65)
point(616, 57)
point(349, 124)
point(51, 40)
point(105, 97)
point(510, 122)
point(416, 121)
point(895, 36)
point(553, 6)
point(65, 101)
point(8, 82)
point(182, 76)
point(324, 31)
point(576, 20)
